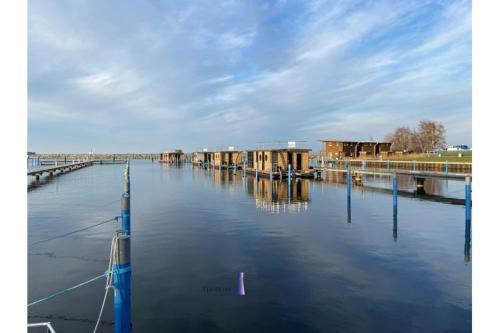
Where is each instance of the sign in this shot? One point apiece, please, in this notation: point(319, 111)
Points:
point(292, 144)
point(231, 148)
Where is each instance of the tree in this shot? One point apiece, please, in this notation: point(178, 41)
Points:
point(401, 139)
point(431, 135)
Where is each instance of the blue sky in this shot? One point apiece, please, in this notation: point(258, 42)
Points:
point(148, 76)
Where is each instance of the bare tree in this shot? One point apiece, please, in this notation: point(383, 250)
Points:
point(431, 135)
point(401, 139)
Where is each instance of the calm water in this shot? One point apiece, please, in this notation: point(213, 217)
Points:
point(306, 268)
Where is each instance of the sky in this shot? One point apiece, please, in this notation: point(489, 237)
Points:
point(151, 76)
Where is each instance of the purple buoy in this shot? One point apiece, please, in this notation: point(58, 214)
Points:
point(241, 284)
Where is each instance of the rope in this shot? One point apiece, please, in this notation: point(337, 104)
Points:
point(75, 231)
point(109, 280)
point(69, 289)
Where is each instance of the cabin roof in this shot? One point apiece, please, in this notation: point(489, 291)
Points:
point(282, 149)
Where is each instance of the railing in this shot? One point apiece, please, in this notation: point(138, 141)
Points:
point(46, 324)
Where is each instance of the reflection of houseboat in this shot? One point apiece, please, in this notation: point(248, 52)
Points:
point(176, 156)
point(279, 196)
point(204, 158)
point(264, 161)
point(228, 158)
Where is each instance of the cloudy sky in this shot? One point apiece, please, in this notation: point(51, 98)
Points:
point(148, 76)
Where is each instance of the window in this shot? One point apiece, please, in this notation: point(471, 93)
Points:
point(265, 158)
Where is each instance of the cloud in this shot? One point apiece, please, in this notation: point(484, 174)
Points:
point(181, 74)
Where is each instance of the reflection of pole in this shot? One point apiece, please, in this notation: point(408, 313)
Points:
point(467, 241)
point(348, 182)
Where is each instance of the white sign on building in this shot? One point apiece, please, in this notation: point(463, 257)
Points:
point(292, 144)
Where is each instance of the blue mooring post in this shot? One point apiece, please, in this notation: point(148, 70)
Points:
point(257, 170)
point(121, 283)
point(289, 174)
point(414, 166)
point(395, 194)
point(446, 168)
point(244, 169)
point(468, 202)
point(348, 183)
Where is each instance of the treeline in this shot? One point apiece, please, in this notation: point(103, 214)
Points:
point(427, 137)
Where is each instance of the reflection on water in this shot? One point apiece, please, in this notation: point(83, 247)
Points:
point(278, 196)
point(195, 228)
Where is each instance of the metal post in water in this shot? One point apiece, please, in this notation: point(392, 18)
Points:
point(348, 183)
point(289, 174)
point(446, 168)
point(468, 203)
point(121, 282)
point(395, 195)
point(244, 169)
point(125, 213)
point(414, 166)
point(257, 170)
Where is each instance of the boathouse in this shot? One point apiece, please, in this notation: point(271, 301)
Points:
point(228, 158)
point(338, 149)
point(277, 161)
point(175, 156)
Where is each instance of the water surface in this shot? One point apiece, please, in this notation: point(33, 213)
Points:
point(307, 269)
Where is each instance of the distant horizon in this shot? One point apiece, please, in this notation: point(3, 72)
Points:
point(154, 76)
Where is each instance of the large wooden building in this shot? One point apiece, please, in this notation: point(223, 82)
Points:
point(175, 156)
point(276, 161)
point(337, 149)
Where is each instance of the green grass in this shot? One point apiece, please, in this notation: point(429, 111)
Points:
point(434, 158)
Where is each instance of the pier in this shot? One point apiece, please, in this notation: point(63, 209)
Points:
point(53, 167)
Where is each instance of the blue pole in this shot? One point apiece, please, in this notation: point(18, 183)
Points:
point(468, 203)
point(257, 170)
point(121, 282)
point(446, 168)
point(289, 174)
point(395, 194)
point(414, 166)
point(125, 213)
point(348, 183)
point(244, 169)
point(271, 172)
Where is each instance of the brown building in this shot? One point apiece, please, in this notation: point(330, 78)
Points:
point(277, 161)
point(225, 158)
point(172, 157)
point(354, 149)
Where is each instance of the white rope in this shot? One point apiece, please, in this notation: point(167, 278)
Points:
point(109, 279)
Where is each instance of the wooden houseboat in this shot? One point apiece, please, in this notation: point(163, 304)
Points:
point(228, 158)
point(204, 158)
point(264, 161)
point(176, 156)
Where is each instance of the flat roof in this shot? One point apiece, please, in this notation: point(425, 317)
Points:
point(281, 149)
point(362, 141)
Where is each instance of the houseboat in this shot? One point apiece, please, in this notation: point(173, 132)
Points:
point(276, 161)
point(203, 158)
point(224, 159)
point(176, 156)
